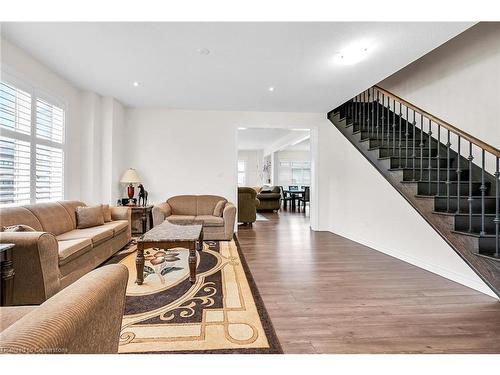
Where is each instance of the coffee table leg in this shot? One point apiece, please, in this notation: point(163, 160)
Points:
point(192, 263)
point(139, 265)
point(200, 241)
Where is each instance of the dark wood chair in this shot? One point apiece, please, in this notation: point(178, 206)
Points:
point(305, 198)
point(285, 197)
point(293, 187)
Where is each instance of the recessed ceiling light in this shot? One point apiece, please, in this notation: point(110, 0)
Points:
point(203, 51)
point(271, 89)
point(136, 84)
point(242, 128)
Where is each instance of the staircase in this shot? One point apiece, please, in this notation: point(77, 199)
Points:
point(450, 177)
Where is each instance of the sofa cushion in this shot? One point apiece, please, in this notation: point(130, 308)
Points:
point(53, 216)
point(183, 205)
point(205, 204)
point(210, 220)
point(19, 215)
point(118, 226)
point(97, 234)
point(180, 219)
point(71, 249)
point(87, 217)
point(219, 208)
point(70, 207)
point(106, 213)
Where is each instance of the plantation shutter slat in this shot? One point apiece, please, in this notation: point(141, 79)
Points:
point(14, 172)
point(15, 109)
point(49, 121)
point(49, 173)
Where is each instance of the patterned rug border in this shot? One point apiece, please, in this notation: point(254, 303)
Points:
point(267, 325)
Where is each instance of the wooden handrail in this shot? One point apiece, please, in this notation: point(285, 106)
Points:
point(444, 124)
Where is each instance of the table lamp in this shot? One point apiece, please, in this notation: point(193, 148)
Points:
point(130, 177)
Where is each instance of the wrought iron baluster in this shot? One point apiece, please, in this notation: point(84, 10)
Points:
point(496, 220)
point(406, 136)
point(414, 154)
point(368, 113)
point(438, 158)
point(421, 146)
point(381, 142)
point(448, 144)
point(470, 199)
point(388, 125)
point(400, 119)
point(483, 193)
point(373, 112)
point(378, 110)
point(394, 130)
point(429, 164)
point(458, 175)
point(363, 119)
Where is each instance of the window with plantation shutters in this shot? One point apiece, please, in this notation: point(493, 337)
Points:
point(31, 147)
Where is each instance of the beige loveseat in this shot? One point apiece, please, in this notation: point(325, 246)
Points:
point(57, 254)
point(187, 208)
point(86, 317)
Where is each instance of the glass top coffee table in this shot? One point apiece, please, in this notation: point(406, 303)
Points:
point(188, 234)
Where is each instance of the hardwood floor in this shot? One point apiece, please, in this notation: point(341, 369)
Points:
point(327, 294)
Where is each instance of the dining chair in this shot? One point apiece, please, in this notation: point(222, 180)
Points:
point(305, 198)
point(293, 187)
point(285, 197)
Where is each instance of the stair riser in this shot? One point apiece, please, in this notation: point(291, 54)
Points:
point(487, 246)
point(489, 205)
point(384, 152)
point(401, 163)
point(423, 189)
point(391, 143)
point(462, 224)
point(408, 175)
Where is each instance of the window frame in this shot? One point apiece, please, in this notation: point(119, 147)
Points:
point(37, 93)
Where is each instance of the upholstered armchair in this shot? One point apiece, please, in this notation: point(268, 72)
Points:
point(247, 205)
point(85, 317)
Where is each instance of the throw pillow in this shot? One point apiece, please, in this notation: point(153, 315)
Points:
point(87, 217)
point(219, 208)
point(106, 212)
point(17, 228)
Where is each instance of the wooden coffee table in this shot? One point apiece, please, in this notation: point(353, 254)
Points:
point(166, 236)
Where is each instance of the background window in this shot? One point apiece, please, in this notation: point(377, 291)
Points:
point(31, 148)
point(242, 172)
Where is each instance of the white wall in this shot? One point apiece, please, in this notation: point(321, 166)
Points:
point(254, 160)
point(458, 82)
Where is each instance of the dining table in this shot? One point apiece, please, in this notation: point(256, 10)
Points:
point(294, 194)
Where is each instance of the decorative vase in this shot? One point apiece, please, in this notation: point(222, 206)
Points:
point(130, 191)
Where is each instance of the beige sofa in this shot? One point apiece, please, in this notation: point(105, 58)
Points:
point(186, 208)
point(85, 317)
point(58, 254)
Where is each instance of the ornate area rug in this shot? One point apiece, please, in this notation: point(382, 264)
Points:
point(221, 312)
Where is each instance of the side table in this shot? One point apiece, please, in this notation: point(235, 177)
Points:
point(144, 214)
point(7, 273)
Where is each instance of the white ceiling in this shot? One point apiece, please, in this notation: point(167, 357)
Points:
point(244, 60)
point(259, 138)
point(305, 145)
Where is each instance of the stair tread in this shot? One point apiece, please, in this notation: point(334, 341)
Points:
point(472, 234)
point(424, 168)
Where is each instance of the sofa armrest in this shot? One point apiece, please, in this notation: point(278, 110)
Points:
point(85, 317)
point(257, 202)
point(161, 212)
point(35, 260)
point(229, 216)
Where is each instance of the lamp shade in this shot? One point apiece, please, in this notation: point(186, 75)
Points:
point(130, 177)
